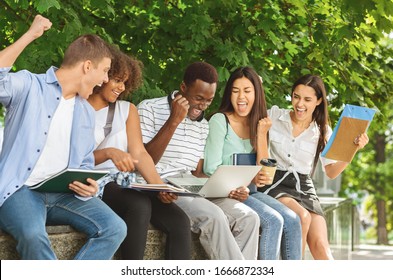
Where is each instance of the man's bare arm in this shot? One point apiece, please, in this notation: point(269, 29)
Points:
point(199, 170)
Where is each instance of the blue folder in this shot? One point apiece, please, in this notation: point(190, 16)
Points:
point(354, 120)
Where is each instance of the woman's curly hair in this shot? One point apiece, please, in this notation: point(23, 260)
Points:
point(124, 65)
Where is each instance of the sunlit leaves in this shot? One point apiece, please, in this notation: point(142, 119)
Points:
point(44, 5)
point(282, 39)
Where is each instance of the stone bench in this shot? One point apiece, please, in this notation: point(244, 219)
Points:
point(66, 242)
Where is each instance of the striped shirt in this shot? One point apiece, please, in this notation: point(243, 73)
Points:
point(187, 145)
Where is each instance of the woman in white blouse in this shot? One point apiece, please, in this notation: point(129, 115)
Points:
point(296, 139)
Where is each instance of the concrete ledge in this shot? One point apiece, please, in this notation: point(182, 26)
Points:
point(66, 242)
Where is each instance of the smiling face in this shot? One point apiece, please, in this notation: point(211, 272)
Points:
point(304, 102)
point(199, 95)
point(111, 90)
point(242, 96)
point(94, 75)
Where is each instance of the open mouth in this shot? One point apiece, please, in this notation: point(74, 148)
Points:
point(242, 106)
point(300, 111)
point(195, 113)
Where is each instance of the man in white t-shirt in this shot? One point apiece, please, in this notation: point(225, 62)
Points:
point(49, 126)
point(174, 131)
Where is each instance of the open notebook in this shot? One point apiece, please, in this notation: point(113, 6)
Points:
point(225, 179)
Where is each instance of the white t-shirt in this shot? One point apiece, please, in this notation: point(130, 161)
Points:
point(55, 155)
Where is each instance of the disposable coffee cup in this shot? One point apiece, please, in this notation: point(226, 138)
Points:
point(269, 166)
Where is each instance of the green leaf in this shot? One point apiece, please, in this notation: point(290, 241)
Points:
point(44, 5)
point(292, 48)
point(223, 74)
point(252, 30)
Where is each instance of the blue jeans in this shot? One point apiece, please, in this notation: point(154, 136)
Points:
point(25, 214)
point(281, 230)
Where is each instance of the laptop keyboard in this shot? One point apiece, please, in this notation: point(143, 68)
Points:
point(194, 189)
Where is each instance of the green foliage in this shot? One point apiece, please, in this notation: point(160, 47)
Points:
point(346, 42)
point(1, 117)
point(371, 232)
point(339, 40)
point(44, 5)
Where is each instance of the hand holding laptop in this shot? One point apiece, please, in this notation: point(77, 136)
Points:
point(223, 181)
point(240, 193)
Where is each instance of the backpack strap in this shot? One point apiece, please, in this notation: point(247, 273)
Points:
point(109, 119)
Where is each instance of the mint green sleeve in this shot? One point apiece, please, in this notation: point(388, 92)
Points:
point(215, 143)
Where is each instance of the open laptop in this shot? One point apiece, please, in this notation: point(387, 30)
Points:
point(225, 179)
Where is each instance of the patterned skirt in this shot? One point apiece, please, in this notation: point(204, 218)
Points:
point(307, 196)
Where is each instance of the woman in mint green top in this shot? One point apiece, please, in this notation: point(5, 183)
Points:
point(219, 154)
point(241, 126)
